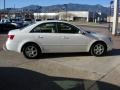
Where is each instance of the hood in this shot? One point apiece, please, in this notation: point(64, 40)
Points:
point(97, 35)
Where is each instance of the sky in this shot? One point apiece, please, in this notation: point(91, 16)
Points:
point(22, 3)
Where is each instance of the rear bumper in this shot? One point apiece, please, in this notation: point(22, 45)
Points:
point(10, 46)
point(4, 48)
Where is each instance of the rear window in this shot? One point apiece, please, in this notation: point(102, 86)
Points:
point(45, 28)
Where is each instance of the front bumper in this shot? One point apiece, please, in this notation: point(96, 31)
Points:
point(110, 45)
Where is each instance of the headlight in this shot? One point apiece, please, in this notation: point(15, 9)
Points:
point(110, 39)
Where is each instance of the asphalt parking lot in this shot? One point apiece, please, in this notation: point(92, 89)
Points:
point(73, 71)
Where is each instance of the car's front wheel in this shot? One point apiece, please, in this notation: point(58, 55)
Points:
point(98, 49)
point(31, 51)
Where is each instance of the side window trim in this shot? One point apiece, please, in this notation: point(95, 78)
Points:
point(32, 31)
point(68, 25)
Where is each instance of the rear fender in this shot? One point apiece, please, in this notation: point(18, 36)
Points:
point(27, 41)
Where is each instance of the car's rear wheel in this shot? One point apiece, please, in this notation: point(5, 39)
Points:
point(98, 49)
point(31, 51)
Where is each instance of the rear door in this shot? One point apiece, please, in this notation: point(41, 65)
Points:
point(46, 37)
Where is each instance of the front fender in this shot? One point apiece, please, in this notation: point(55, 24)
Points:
point(90, 44)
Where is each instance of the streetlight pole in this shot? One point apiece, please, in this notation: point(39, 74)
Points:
point(115, 18)
point(110, 8)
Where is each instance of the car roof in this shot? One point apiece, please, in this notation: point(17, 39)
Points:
point(28, 28)
point(47, 21)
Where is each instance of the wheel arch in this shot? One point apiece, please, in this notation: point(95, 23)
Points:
point(29, 42)
point(95, 43)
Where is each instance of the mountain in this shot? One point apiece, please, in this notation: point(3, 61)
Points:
point(75, 7)
point(63, 7)
point(33, 8)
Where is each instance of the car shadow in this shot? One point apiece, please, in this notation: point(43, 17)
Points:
point(12, 78)
point(61, 55)
point(114, 52)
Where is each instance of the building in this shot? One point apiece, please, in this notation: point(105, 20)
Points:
point(84, 16)
point(69, 16)
point(46, 16)
point(110, 19)
point(75, 16)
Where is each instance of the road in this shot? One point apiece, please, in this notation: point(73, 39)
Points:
point(75, 71)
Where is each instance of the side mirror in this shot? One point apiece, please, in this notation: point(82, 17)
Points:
point(82, 32)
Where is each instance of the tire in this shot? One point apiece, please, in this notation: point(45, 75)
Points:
point(98, 49)
point(31, 51)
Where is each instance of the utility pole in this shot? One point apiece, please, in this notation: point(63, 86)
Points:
point(14, 6)
point(66, 10)
point(4, 4)
point(115, 17)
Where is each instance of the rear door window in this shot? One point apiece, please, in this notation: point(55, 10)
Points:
point(45, 28)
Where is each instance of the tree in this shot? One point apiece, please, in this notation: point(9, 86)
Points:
point(44, 17)
point(68, 16)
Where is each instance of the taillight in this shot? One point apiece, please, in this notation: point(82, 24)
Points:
point(11, 37)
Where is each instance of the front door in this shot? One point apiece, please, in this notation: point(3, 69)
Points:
point(70, 38)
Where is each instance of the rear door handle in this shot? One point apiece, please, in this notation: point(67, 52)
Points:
point(41, 37)
point(66, 37)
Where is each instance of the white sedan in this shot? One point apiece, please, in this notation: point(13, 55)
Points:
point(56, 37)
